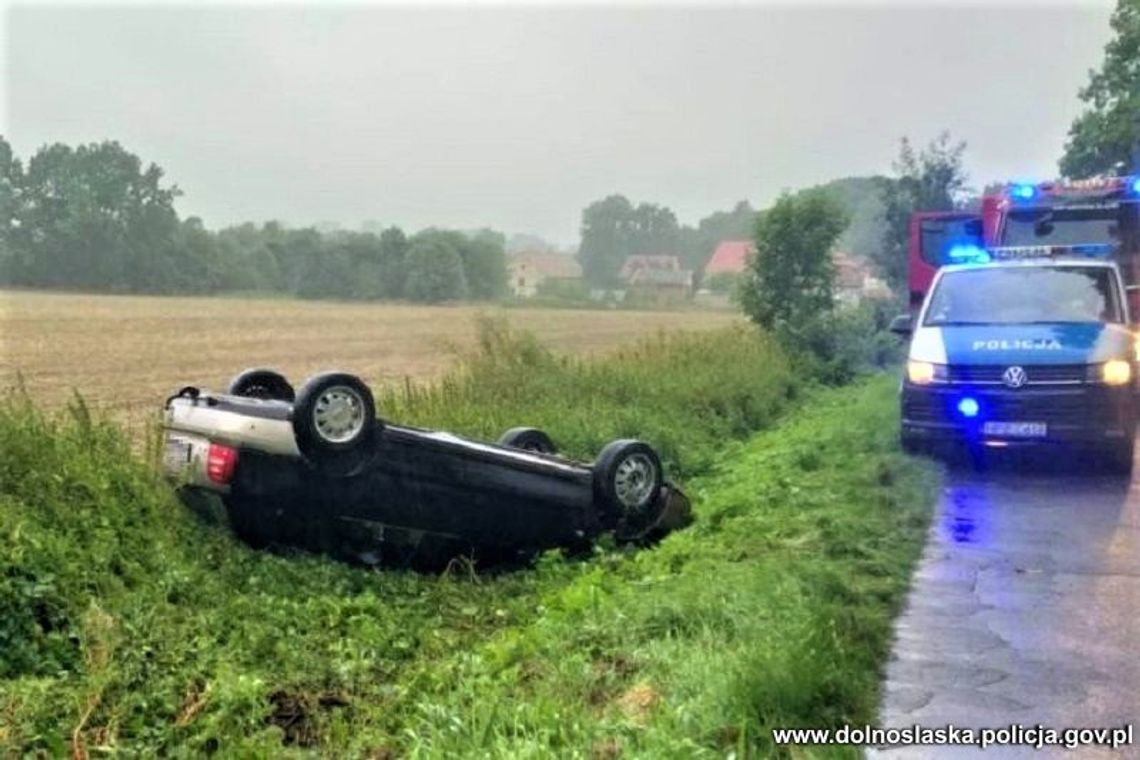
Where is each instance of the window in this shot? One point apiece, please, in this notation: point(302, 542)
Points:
point(1025, 295)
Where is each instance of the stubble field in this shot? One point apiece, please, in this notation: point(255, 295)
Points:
point(127, 353)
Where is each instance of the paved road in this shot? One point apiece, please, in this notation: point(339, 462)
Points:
point(1025, 609)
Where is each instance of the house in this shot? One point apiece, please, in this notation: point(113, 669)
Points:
point(643, 262)
point(656, 279)
point(529, 269)
point(855, 279)
point(730, 257)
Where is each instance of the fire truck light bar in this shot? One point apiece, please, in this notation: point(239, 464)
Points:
point(1023, 192)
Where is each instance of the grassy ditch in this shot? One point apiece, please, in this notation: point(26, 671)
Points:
point(127, 625)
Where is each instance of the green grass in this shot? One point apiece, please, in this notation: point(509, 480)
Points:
point(686, 393)
point(127, 625)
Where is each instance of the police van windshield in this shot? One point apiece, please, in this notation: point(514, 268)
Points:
point(1025, 295)
point(1063, 227)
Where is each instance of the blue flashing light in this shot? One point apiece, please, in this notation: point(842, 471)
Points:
point(1135, 186)
point(967, 253)
point(968, 407)
point(1023, 192)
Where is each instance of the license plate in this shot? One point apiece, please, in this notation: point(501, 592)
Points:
point(176, 455)
point(1016, 429)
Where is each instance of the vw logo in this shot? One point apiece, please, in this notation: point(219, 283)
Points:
point(1014, 377)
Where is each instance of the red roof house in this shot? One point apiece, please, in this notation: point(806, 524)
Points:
point(730, 256)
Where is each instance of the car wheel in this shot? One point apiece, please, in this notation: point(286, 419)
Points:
point(263, 384)
point(528, 439)
point(627, 478)
point(334, 415)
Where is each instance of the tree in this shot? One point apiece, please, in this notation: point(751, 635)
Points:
point(434, 272)
point(606, 239)
point(297, 253)
point(655, 230)
point(95, 217)
point(392, 263)
point(330, 274)
point(930, 180)
point(1105, 139)
point(613, 229)
point(485, 264)
point(788, 284)
point(247, 261)
point(481, 254)
point(11, 180)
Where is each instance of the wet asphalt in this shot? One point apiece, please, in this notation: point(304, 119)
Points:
point(1025, 608)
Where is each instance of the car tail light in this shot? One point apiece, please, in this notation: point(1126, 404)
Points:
point(220, 463)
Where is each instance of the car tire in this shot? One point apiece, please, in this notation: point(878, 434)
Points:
point(528, 439)
point(334, 416)
point(627, 479)
point(263, 384)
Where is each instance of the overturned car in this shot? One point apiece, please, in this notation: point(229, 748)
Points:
point(318, 469)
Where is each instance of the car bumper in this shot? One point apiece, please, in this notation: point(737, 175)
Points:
point(1085, 415)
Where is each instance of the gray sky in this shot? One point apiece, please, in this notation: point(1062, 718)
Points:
point(516, 117)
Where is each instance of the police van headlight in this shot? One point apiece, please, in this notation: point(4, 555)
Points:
point(1116, 372)
point(925, 373)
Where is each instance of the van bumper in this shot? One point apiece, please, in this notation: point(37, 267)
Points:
point(1086, 415)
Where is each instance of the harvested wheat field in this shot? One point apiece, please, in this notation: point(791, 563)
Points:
point(128, 353)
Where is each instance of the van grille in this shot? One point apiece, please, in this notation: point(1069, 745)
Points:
point(1043, 374)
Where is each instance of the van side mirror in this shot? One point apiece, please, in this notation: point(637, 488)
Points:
point(902, 325)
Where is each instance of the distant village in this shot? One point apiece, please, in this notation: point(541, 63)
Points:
point(663, 280)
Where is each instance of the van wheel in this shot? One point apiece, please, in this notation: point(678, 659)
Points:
point(528, 439)
point(263, 384)
point(334, 415)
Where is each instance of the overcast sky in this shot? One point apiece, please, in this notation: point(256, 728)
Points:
point(516, 117)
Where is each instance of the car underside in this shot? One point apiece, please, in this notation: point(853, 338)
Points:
point(318, 470)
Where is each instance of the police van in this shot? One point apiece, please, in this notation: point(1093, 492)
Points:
point(1022, 347)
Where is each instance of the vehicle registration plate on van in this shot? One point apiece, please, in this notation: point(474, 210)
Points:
point(1016, 429)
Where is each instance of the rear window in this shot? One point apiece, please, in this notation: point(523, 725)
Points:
point(1025, 295)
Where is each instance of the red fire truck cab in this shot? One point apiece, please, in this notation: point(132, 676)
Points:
point(1081, 217)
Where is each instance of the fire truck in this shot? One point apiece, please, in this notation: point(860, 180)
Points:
point(1089, 216)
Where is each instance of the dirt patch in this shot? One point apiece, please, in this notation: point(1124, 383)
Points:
point(638, 702)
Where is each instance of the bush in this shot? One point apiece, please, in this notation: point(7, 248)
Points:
point(564, 289)
point(836, 346)
point(722, 282)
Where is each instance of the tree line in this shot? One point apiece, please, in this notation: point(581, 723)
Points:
point(95, 218)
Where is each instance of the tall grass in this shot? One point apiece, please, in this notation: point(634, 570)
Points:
point(127, 625)
point(686, 393)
